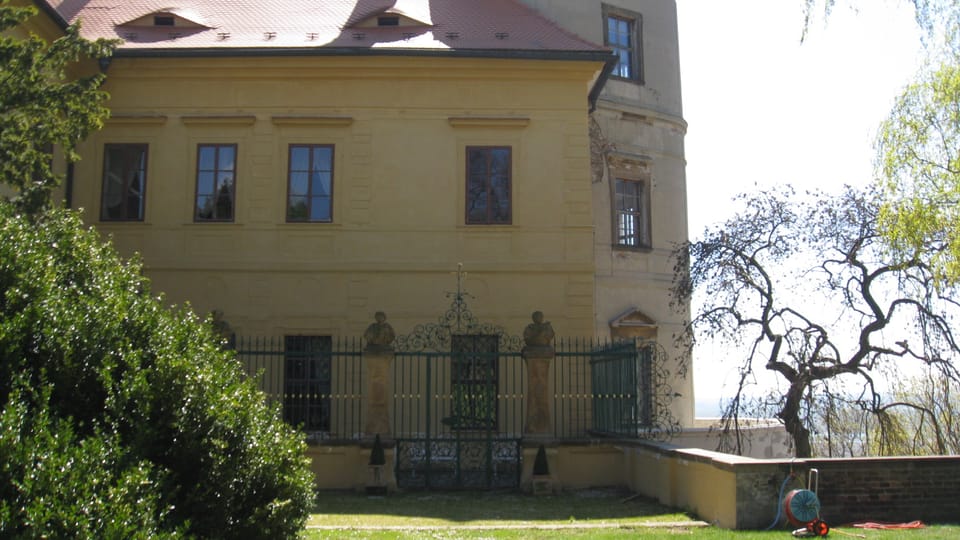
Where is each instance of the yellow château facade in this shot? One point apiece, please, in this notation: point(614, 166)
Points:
point(297, 171)
point(395, 135)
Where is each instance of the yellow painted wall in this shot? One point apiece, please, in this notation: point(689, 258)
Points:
point(706, 490)
point(40, 25)
point(346, 467)
point(589, 466)
point(400, 126)
point(699, 481)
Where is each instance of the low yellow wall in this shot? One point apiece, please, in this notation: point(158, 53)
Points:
point(727, 491)
point(346, 467)
point(689, 479)
point(700, 481)
point(581, 467)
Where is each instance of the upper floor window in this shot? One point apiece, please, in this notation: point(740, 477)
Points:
point(632, 214)
point(216, 182)
point(621, 32)
point(124, 182)
point(488, 194)
point(310, 183)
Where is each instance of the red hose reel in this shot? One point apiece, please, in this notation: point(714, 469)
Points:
point(802, 508)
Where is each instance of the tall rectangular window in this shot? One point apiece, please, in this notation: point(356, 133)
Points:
point(632, 213)
point(473, 381)
point(488, 194)
point(621, 32)
point(310, 183)
point(124, 182)
point(216, 182)
point(307, 381)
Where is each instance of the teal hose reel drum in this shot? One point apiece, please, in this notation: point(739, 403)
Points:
point(802, 507)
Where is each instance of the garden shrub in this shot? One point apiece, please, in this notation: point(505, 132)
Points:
point(53, 485)
point(132, 397)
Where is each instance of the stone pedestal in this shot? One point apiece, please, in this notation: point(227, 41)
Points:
point(538, 421)
point(377, 375)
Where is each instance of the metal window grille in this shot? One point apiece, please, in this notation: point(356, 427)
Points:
point(318, 381)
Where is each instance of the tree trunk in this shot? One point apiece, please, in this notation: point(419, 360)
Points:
point(790, 414)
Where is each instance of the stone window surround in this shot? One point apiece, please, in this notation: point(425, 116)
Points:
point(631, 170)
point(636, 26)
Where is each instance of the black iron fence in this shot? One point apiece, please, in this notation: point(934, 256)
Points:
point(611, 389)
point(622, 390)
point(318, 381)
point(598, 389)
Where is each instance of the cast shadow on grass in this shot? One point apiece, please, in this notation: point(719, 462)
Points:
point(497, 507)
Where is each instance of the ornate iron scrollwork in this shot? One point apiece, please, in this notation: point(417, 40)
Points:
point(457, 320)
point(662, 426)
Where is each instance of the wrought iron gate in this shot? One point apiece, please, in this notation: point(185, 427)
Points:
point(458, 403)
point(458, 418)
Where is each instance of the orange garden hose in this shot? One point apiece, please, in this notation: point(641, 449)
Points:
point(879, 525)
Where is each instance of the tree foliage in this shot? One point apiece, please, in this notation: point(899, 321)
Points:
point(918, 147)
point(58, 485)
point(808, 289)
point(120, 415)
point(919, 161)
point(42, 106)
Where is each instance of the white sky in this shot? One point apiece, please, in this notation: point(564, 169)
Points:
point(764, 109)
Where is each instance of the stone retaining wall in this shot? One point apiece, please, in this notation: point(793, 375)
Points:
point(896, 489)
point(728, 491)
point(890, 489)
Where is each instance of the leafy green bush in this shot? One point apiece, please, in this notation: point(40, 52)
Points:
point(172, 431)
point(53, 485)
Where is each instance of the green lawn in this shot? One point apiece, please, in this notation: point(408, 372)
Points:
point(582, 514)
point(590, 507)
point(710, 533)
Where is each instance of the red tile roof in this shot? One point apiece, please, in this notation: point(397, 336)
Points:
point(437, 26)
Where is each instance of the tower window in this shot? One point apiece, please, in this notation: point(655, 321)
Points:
point(632, 211)
point(622, 32)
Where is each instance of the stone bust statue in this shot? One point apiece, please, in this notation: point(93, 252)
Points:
point(379, 335)
point(539, 333)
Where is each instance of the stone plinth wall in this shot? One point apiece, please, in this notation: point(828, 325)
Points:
point(728, 491)
point(891, 489)
point(743, 493)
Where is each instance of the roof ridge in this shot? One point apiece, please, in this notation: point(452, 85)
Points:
point(289, 24)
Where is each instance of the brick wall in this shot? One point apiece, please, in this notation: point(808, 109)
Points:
point(895, 489)
point(889, 489)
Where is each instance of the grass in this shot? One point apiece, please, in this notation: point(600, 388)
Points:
point(710, 533)
point(590, 507)
point(599, 514)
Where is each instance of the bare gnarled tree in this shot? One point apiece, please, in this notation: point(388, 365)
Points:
point(807, 289)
